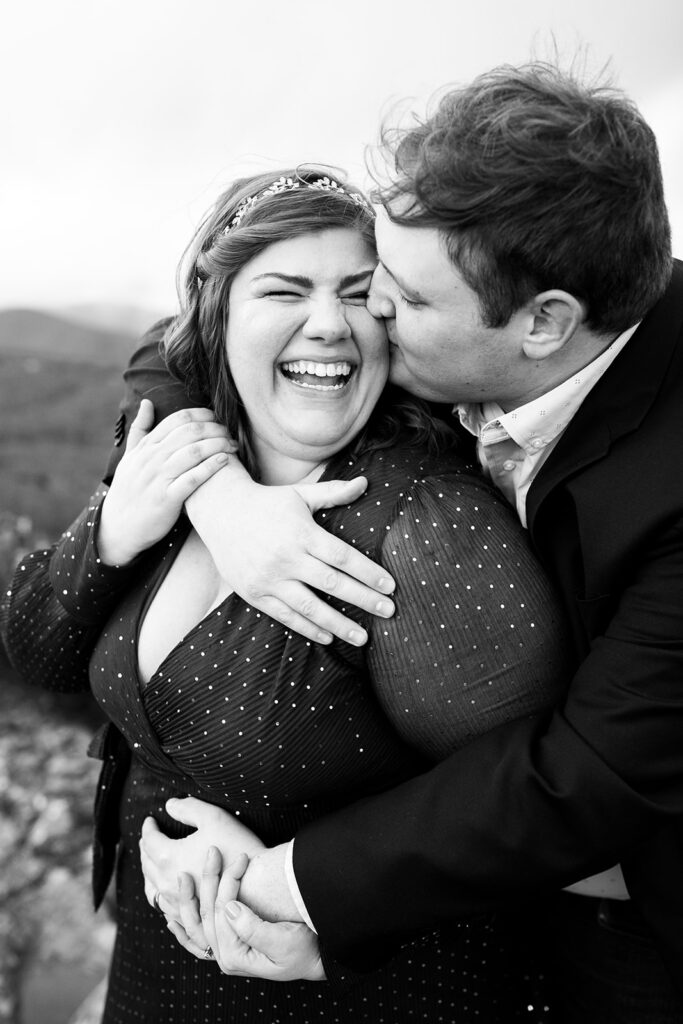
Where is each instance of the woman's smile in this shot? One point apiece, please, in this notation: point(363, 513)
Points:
point(320, 376)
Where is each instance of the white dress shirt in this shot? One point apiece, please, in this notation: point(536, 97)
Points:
point(512, 446)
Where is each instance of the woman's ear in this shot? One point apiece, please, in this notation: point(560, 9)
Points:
point(554, 318)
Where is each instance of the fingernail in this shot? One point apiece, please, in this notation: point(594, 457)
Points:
point(385, 608)
point(233, 910)
point(324, 638)
point(385, 583)
point(357, 637)
point(213, 855)
point(222, 457)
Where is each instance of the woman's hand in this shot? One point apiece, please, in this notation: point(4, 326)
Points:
point(216, 926)
point(164, 859)
point(161, 468)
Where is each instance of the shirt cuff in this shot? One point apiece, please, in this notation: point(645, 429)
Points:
point(294, 890)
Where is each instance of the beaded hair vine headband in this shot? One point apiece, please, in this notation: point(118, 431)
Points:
point(290, 185)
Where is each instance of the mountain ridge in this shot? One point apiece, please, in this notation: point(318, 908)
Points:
point(37, 333)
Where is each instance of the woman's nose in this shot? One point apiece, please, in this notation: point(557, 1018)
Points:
point(380, 303)
point(327, 321)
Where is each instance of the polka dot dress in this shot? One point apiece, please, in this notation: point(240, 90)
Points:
point(278, 730)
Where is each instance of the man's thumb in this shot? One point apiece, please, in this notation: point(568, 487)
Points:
point(332, 492)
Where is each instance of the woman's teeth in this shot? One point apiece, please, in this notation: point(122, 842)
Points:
point(307, 374)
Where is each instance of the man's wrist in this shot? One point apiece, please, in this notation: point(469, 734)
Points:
point(264, 887)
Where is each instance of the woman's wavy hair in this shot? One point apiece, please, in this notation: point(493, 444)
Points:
point(537, 181)
point(194, 343)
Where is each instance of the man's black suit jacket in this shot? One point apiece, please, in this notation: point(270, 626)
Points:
point(540, 803)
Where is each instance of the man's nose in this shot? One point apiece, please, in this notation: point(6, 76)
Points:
point(327, 321)
point(380, 303)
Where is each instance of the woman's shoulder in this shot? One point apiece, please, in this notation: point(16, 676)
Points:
point(404, 479)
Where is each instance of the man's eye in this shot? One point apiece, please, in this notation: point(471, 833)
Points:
point(410, 303)
point(356, 298)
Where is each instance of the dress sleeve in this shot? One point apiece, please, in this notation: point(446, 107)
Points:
point(57, 603)
point(477, 639)
point(147, 376)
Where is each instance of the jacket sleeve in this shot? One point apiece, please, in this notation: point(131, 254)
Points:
point(537, 802)
point(147, 376)
point(57, 603)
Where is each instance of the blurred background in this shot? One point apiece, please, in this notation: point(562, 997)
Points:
point(119, 123)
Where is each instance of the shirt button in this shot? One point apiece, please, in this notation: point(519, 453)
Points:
point(538, 442)
point(509, 465)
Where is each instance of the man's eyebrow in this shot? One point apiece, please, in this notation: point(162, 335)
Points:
point(402, 285)
point(306, 282)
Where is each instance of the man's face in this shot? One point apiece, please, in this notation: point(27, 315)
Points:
point(440, 348)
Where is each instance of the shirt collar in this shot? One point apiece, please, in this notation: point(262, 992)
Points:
point(538, 423)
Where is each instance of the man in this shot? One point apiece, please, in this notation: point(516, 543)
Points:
point(525, 274)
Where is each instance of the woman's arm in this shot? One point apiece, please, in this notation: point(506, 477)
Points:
point(53, 612)
point(54, 609)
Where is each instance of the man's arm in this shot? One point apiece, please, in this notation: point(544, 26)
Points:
point(263, 539)
point(533, 804)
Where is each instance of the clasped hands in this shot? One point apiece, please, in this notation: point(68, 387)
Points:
point(197, 881)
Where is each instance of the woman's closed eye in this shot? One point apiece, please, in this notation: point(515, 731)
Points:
point(359, 298)
point(282, 293)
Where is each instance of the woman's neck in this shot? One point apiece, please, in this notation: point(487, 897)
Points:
point(276, 469)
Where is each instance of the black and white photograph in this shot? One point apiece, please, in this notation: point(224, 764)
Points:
point(341, 513)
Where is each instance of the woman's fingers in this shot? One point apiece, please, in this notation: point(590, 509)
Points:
point(208, 892)
point(189, 913)
point(186, 942)
point(180, 488)
point(183, 417)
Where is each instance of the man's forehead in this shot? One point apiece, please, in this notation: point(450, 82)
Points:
point(412, 254)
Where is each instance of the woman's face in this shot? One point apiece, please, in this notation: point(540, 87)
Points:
point(307, 358)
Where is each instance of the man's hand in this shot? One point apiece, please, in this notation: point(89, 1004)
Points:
point(160, 469)
point(216, 926)
point(267, 546)
point(164, 859)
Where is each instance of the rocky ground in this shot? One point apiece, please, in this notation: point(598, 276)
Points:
point(53, 949)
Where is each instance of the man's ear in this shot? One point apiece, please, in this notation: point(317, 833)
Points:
point(554, 317)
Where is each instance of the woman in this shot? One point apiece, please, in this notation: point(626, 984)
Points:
point(210, 698)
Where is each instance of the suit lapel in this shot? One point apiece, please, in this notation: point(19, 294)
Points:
point(621, 398)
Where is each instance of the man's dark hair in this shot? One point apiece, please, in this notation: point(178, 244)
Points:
point(538, 181)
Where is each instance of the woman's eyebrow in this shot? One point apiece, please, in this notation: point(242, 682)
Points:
point(303, 282)
point(351, 279)
point(306, 282)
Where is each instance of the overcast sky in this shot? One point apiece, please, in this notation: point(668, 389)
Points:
point(120, 120)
